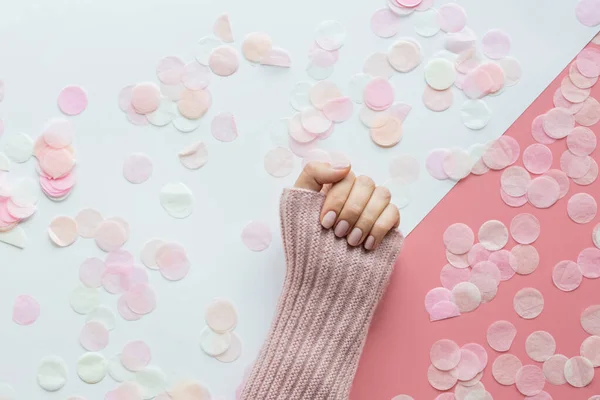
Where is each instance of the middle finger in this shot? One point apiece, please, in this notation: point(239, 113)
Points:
point(357, 200)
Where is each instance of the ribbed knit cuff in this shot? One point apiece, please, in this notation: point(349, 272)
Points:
point(330, 293)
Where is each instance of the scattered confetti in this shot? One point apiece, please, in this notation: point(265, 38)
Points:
point(256, 236)
point(194, 156)
point(525, 228)
point(590, 320)
point(72, 100)
point(493, 235)
point(582, 208)
point(52, 373)
point(530, 380)
point(223, 61)
point(222, 28)
point(467, 296)
point(543, 192)
point(505, 369)
point(91, 367)
point(567, 276)
point(475, 114)
point(554, 368)
point(177, 200)
point(579, 371)
point(26, 310)
point(500, 335)
point(135, 355)
point(137, 168)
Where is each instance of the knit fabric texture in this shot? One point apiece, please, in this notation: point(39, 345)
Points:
point(329, 296)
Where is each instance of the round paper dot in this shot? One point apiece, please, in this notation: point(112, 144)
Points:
point(450, 276)
point(575, 166)
point(19, 147)
point(537, 158)
point(137, 168)
point(582, 208)
point(437, 100)
point(512, 70)
point(495, 44)
point(500, 335)
point(330, 35)
point(135, 355)
point(590, 320)
point(493, 235)
point(141, 299)
point(540, 346)
point(314, 121)
point(589, 262)
point(385, 23)
point(379, 94)
point(170, 70)
point(91, 367)
point(151, 381)
point(443, 310)
point(573, 93)
point(213, 343)
point(117, 371)
point(256, 46)
point(458, 238)
point(457, 165)
point(562, 179)
point(589, 114)
point(538, 133)
point(233, 352)
point(560, 102)
point(526, 259)
point(525, 228)
point(172, 261)
point(194, 156)
point(63, 231)
point(441, 380)
point(475, 114)
point(195, 76)
point(581, 141)
point(256, 236)
point(590, 177)
point(588, 14)
point(477, 254)
point(452, 17)
point(224, 127)
point(88, 221)
point(505, 369)
point(339, 109)
point(58, 133)
point(434, 163)
point(110, 236)
point(440, 74)
point(124, 310)
point(543, 192)
point(93, 336)
point(145, 97)
point(52, 373)
point(436, 295)
point(505, 262)
point(177, 200)
point(468, 366)
point(103, 315)
point(554, 369)
point(466, 296)
point(427, 23)
point(515, 181)
point(26, 310)
point(445, 354)
point(72, 100)
point(481, 354)
point(499, 154)
point(567, 276)
point(221, 315)
point(590, 349)
point(579, 371)
point(404, 56)
point(387, 134)
point(558, 123)
point(279, 162)
point(223, 61)
point(530, 380)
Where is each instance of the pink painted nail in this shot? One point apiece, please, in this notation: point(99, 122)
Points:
point(329, 219)
point(369, 243)
point(354, 237)
point(342, 228)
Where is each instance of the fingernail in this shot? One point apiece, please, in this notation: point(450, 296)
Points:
point(369, 243)
point(340, 164)
point(329, 219)
point(342, 228)
point(354, 237)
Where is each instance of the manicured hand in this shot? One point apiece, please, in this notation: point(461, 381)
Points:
point(355, 207)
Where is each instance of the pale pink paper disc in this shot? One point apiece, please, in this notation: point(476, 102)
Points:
point(224, 61)
point(436, 295)
point(256, 236)
point(590, 349)
point(493, 235)
point(451, 276)
point(458, 238)
point(515, 181)
point(528, 303)
point(582, 208)
point(468, 366)
point(93, 336)
point(224, 127)
point(91, 272)
point(172, 261)
point(590, 320)
point(505, 369)
point(72, 100)
point(567, 276)
point(540, 346)
point(26, 310)
point(279, 162)
point(441, 380)
point(525, 228)
point(543, 192)
point(589, 262)
point(530, 380)
point(137, 168)
point(63, 231)
point(554, 369)
point(579, 371)
point(500, 335)
point(141, 299)
point(537, 158)
point(444, 354)
point(526, 259)
point(135, 355)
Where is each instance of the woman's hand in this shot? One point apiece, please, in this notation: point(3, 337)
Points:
point(354, 207)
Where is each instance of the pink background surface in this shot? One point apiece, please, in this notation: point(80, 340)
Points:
point(396, 355)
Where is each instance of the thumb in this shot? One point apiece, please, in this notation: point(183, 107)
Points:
point(316, 174)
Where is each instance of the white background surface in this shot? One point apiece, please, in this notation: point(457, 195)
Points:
point(105, 45)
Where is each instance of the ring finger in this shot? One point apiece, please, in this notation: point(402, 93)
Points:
point(379, 200)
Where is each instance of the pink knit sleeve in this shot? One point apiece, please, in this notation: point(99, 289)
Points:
point(329, 296)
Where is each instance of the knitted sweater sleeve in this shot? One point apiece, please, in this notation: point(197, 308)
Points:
point(329, 296)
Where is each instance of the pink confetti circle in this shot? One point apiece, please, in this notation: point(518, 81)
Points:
point(590, 349)
point(505, 369)
point(588, 12)
point(451, 276)
point(589, 114)
point(590, 320)
point(579, 80)
point(499, 154)
point(385, 23)
point(124, 310)
point(137, 168)
point(444, 310)
point(224, 127)
point(457, 260)
point(224, 61)
point(582, 208)
point(91, 272)
point(528, 303)
point(579, 371)
point(589, 262)
point(467, 296)
point(575, 166)
point(581, 141)
point(145, 97)
point(515, 181)
point(26, 310)
point(567, 276)
point(436, 295)
point(573, 94)
point(540, 346)
point(141, 299)
point(493, 235)
point(256, 236)
point(136, 355)
point(458, 238)
point(279, 162)
point(339, 109)
point(561, 102)
point(441, 380)
point(527, 259)
point(445, 354)
point(195, 76)
point(58, 133)
point(562, 179)
point(434, 163)
point(110, 236)
point(500, 335)
point(477, 254)
point(72, 100)
point(379, 94)
point(530, 380)
point(543, 192)
point(554, 369)
point(537, 158)
point(588, 61)
point(93, 336)
point(558, 123)
point(468, 366)
point(505, 262)
point(437, 100)
point(170, 70)
point(480, 352)
point(172, 261)
point(525, 228)
point(495, 44)
point(452, 17)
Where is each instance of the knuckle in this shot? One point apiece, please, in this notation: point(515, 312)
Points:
point(352, 210)
point(336, 200)
point(364, 180)
point(311, 168)
point(366, 222)
point(383, 193)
